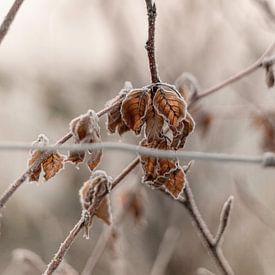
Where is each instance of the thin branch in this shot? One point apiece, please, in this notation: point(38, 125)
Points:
point(15, 185)
point(214, 250)
point(64, 247)
point(166, 249)
point(9, 18)
point(260, 63)
point(106, 235)
point(150, 44)
point(224, 218)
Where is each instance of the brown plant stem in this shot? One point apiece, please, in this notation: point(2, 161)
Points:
point(64, 247)
point(9, 18)
point(150, 44)
point(15, 185)
point(260, 63)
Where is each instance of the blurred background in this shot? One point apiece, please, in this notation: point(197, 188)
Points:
point(62, 58)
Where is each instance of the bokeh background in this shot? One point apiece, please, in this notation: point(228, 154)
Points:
point(63, 57)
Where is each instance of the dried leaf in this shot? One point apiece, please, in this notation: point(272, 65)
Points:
point(180, 134)
point(52, 165)
point(104, 211)
point(170, 106)
point(94, 195)
point(134, 108)
point(148, 163)
point(176, 182)
point(76, 157)
point(94, 159)
point(114, 120)
point(35, 173)
point(85, 129)
point(154, 124)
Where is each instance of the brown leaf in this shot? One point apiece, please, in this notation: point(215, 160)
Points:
point(148, 163)
point(165, 165)
point(34, 174)
point(85, 129)
point(175, 183)
point(154, 124)
point(134, 108)
point(52, 165)
point(170, 106)
point(94, 159)
point(114, 120)
point(76, 157)
point(180, 134)
point(92, 194)
point(103, 212)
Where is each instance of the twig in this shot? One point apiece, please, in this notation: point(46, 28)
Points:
point(261, 62)
point(64, 247)
point(9, 18)
point(15, 185)
point(106, 235)
point(212, 246)
point(166, 249)
point(150, 44)
point(224, 218)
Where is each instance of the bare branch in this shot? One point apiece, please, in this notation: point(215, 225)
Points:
point(5, 26)
point(65, 246)
point(106, 235)
point(260, 63)
point(208, 239)
point(150, 44)
point(224, 217)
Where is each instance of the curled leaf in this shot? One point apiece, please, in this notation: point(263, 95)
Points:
point(85, 129)
point(175, 182)
point(114, 120)
point(94, 198)
point(154, 124)
point(170, 106)
point(134, 108)
point(52, 165)
point(180, 134)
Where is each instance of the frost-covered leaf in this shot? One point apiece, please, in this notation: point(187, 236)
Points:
point(94, 198)
point(175, 182)
point(154, 124)
point(94, 159)
point(134, 108)
point(170, 106)
point(184, 129)
point(52, 165)
point(114, 119)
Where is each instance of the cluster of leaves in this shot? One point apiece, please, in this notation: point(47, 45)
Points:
point(161, 113)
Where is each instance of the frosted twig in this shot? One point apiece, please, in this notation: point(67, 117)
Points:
point(64, 247)
point(15, 185)
point(260, 63)
point(150, 44)
point(9, 18)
